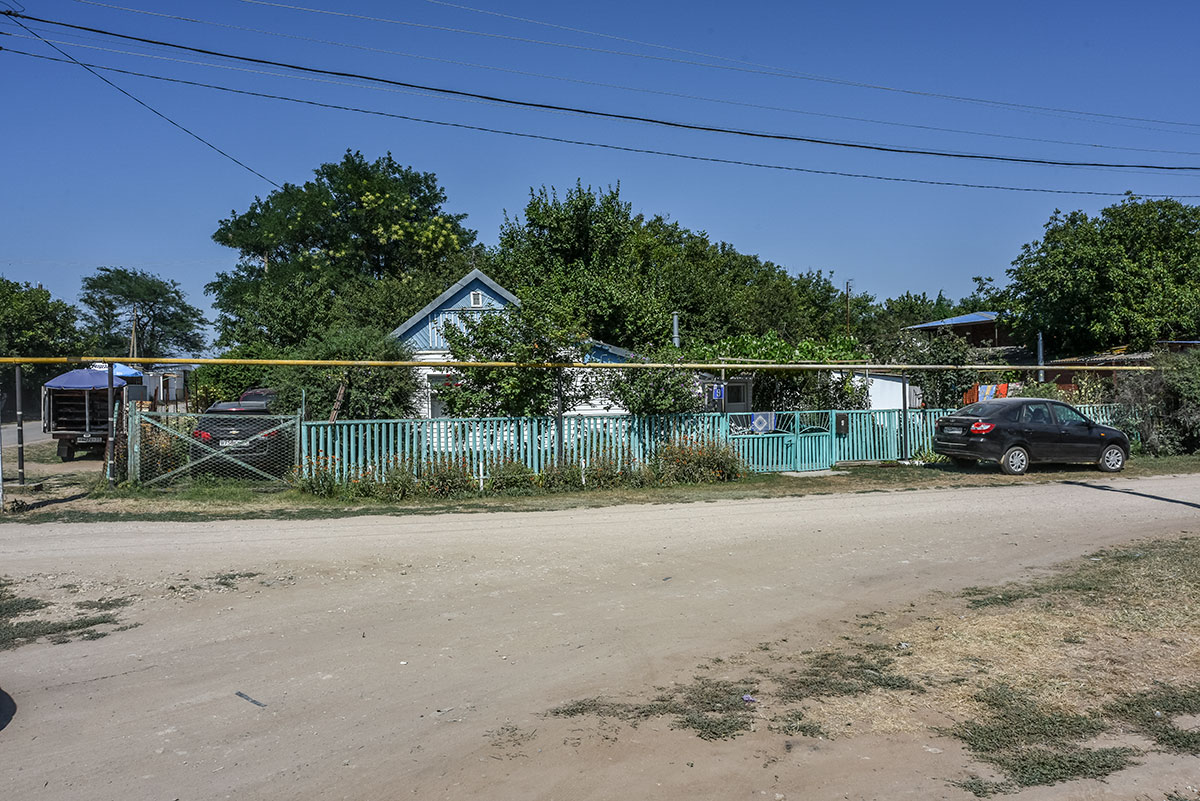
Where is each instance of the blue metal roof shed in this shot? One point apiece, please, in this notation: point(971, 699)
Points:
point(970, 318)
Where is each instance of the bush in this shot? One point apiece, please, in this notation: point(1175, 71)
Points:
point(1164, 405)
point(321, 479)
point(681, 461)
point(399, 483)
point(510, 477)
point(692, 461)
point(565, 477)
point(603, 471)
point(447, 477)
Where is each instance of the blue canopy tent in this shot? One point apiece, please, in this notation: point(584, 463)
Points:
point(84, 379)
point(123, 370)
point(69, 413)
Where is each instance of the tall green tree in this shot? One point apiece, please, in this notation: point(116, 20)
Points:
point(525, 334)
point(364, 243)
point(124, 305)
point(34, 323)
point(621, 275)
point(1129, 276)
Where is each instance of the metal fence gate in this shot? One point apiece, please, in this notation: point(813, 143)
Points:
point(175, 447)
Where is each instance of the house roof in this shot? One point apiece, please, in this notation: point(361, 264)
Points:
point(598, 347)
point(474, 275)
point(1118, 355)
point(970, 318)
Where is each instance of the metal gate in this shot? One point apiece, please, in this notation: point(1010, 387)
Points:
point(774, 442)
point(176, 447)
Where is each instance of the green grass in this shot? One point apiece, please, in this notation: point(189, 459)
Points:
point(224, 500)
point(230, 580)
point(713, 708)
point(14, 632)
point(104, 604)
point(793, 722)
point(834, 673)
point(1032, 745)
point(1153, 713)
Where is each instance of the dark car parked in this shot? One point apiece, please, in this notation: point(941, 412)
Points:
point(242, 439)
point(1017, 432)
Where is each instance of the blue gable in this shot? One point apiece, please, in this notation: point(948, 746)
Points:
point(474, 294)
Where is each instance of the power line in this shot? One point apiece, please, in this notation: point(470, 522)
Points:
point(618, 116)
point(67, 56)
point(600, 145)
point(762, 69)
point(643, 90)
point(329, 81)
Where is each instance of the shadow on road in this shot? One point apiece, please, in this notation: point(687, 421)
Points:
point(1133, 492)
point(8, 708)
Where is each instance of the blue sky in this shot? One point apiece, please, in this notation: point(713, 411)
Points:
point(92, 179)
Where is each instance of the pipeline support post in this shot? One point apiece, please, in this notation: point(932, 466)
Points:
point(20, 433)
point(110, 445)
point(558, 418)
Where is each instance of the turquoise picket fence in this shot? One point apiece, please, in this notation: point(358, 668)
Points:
point(768, 442)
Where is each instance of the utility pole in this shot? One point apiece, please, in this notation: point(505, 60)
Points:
point(558, 417)
point(20, 432)
point(133, 335)
point(847, 308)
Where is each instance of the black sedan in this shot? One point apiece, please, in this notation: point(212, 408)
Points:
point(1017, 432)
point(242, 439)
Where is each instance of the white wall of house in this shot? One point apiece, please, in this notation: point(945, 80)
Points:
point(886, 391)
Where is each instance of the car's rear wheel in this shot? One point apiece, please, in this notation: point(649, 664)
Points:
point(1015, 461)
point(1112, 459)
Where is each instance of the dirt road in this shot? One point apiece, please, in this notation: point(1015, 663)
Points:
point(416, 656)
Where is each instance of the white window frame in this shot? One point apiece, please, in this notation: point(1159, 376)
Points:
point(476, 299)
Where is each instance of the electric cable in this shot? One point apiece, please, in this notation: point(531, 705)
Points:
point(622, 87)
point(600, 145)
point(765, 69)
point(148, 107)
point(615, 115)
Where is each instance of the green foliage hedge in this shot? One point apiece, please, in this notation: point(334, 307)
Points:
point(683, 461)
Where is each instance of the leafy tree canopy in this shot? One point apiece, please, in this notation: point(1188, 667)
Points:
point(34, 323)
point(1129, 276)
point(120, 302)
point(365, 243)
point(527, 333)
point(792, 391)
point(620, 275)
point(368, 393)
point(654, 391)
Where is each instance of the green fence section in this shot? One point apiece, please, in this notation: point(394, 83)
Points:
point(766, 441)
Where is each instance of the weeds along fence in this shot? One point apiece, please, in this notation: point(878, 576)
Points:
point(166, 448)
point(765, 441)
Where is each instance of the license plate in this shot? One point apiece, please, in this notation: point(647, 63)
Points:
point(88, 440)
point(953, 429)
point(234, 443)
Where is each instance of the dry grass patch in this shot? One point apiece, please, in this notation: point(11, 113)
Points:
point(1031, 678)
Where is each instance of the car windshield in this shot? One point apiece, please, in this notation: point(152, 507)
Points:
point(979, 410)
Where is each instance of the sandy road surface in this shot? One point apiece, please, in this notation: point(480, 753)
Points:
point(414, 656)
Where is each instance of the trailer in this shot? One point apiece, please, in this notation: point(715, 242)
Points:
point(75, 410)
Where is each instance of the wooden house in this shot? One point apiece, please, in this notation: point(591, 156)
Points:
point(473, 295)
